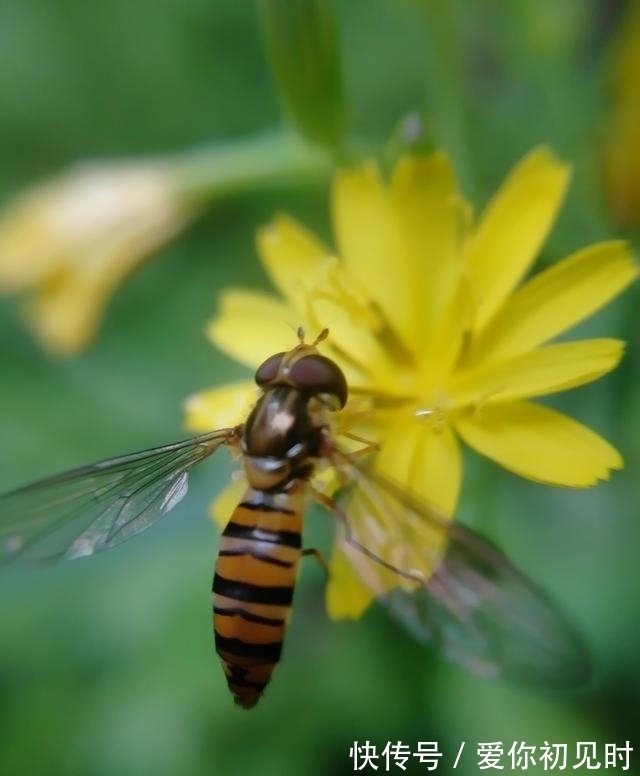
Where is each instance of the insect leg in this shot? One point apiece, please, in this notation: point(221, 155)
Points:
point(369, 446)
point(337, 510)
point(319, 556)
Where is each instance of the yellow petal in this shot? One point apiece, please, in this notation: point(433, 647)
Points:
point(556, 299)
point(539, 444)
point(65, 222)
point(368, 244)
point(425, 463)
point(252, 326)
point(424, 459)
point(65, 310)
point(512, 229)
point(545, 370)
point(428, 216)
point(346, 596)
point(360, 350)
point(222, 407)
point(30, 251)
point(227, 500)
point(292, 257)
point(67, 305)
point(448, 339)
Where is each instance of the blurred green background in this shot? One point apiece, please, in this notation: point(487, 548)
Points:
point(107, 666)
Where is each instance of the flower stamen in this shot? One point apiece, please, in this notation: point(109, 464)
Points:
point(481, 403)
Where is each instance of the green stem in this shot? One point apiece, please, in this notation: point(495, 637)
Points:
point(271, 159)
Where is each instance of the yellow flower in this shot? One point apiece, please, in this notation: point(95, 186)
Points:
point(620, 162)
point(68, 243)
point(438, 335)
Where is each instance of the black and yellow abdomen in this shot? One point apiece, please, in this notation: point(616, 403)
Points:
point(253, 586)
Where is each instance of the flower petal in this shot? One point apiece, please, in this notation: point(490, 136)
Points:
point(556, 299)
point(227, 500)
point(546, 370)
point(122, 210)
point(425, 462)
point(30, 251)
point(361, 350)
point(292, 256)
point(346, 596)
point(512, 229)
point(448, 339)
point(222, 407)
point(368, 244)
point(422, 458)
point(539, 444)
point(64, 311)
point(428, 216)
point(67, 305)
point(252, 326)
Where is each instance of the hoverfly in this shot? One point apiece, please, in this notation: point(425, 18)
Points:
point(442, 581)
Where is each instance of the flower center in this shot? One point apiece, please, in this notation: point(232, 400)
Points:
point(433, 409)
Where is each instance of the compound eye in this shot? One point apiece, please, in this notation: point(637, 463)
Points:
point(318, 374)
point(268, 371)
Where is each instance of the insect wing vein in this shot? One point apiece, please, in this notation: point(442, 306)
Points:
point(455, 589)
point(85, 510)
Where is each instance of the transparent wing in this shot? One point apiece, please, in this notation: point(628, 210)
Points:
point(449, 586)
point(95, 507)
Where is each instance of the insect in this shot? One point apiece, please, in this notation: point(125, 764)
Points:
point(442, 581)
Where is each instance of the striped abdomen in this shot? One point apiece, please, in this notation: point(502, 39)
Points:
point(253, 586)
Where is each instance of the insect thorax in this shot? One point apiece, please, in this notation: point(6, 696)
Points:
point(282, 437)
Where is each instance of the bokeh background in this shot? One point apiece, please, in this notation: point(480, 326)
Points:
point(107, 666)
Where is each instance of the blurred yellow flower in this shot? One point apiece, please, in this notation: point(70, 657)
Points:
point(439, 337)
point(620, 160)
point(68, 243)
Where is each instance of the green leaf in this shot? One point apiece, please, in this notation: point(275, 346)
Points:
point(302, 43)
